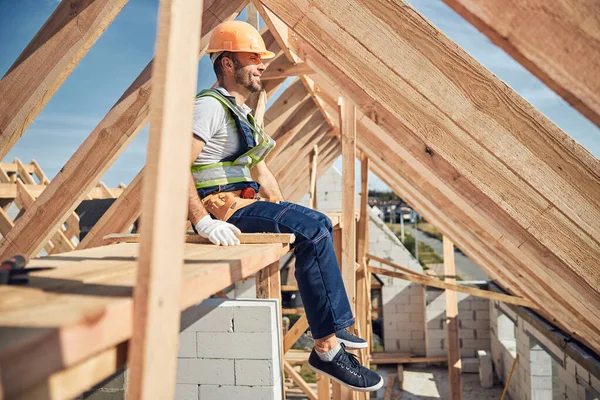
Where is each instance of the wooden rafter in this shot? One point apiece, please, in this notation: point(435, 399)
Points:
point(157, 295)
point(525, 236)
point(559, 42)
point(98, 151)
point(48, 60)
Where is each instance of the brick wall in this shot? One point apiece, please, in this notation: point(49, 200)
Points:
point(230, 349)
point(544, 370)
point(473, 322)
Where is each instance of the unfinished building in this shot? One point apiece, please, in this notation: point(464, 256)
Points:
point(376, 82)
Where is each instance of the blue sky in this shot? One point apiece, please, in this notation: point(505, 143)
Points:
point(128, 45)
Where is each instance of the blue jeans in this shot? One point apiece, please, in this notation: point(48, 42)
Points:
point(317, 271)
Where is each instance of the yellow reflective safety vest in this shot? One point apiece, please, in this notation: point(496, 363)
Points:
point(259, 146)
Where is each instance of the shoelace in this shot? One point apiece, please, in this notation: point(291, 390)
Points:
point(352, 359)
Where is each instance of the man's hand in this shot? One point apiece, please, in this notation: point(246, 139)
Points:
point(218, 232)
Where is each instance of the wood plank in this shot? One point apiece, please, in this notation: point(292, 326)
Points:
point(434, 282)
point(60, 242)
point(533, 35)
point(89, 292)
point(376, 359)
point(348, 223)
point(389, 389)
point(391, 264)
point(323, 387)
point(363, 278)
point(484, 230)
point(294, 334)
point(119, 217)
point(73, 381)
point(540, 145)
point(299, 381)
point(454, 361)
point(156, 297)
point(39, 172)
point(283, 68)
point(245, 238)
point(24, 173)
point(48, 60)
point(110, 137)
point(11, 167)
point(312, 198)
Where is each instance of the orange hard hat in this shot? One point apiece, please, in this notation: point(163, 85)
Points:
point(237, 37)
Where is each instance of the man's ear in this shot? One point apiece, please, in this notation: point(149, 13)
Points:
point(227, 63)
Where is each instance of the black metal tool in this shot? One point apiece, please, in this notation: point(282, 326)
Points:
point(13, 271)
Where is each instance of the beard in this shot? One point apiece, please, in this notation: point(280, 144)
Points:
point(245, 78)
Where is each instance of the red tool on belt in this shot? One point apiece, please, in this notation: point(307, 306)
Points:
point(248, 193)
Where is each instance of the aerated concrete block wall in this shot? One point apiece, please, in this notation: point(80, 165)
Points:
point(403, 301)
point(473, 322)
point(543, 370)
point(229, 349)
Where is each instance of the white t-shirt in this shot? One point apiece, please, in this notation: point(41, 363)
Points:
point(214, 125)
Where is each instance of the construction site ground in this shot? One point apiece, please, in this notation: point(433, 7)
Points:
point(427, 382)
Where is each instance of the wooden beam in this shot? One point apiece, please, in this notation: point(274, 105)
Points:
point(348, 131)
point(294, 334)
point(299, 381)
point(24, 174)
point(88, 293)
point(283, 68)
point(391, 264)
point(454, 361)
point(363, 280)
point(9, 190)
point(157, 293)
point(245, 238)
point(72, 381)
point(323, 387)
point(37, 170)
point(289, 131)
point(434, 282)
point(389, 389)
point(48, 60)
point(119, 217)
point(60, 242)
point(533, 35)
point(512, 249)
point(278, 28)
point(93, 158)
point(376, 358)
point(312, 201)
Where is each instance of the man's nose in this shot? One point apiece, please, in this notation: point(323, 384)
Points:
point(261, 67)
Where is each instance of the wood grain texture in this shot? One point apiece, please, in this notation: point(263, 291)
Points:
point(294, 333)
point(507, 236)
point(156, 315)
point(559, 42)
point(70, 313)
point(434, 282)
point(97, 153)
point(119, 216)
point(454, 361)
point(245, 238)
point(48, 60)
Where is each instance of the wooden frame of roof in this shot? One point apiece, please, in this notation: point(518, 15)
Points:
point(514, 192)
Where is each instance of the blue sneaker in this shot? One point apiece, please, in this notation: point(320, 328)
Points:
point(350, 341)
point(345, 369)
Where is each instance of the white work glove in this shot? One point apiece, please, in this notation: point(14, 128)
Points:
point(218, 232)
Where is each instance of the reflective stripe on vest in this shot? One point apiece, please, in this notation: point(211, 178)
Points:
point(238, 170)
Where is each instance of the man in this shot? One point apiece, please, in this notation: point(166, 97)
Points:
point(227, 146)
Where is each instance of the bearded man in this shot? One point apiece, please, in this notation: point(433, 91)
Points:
point(224, 200)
